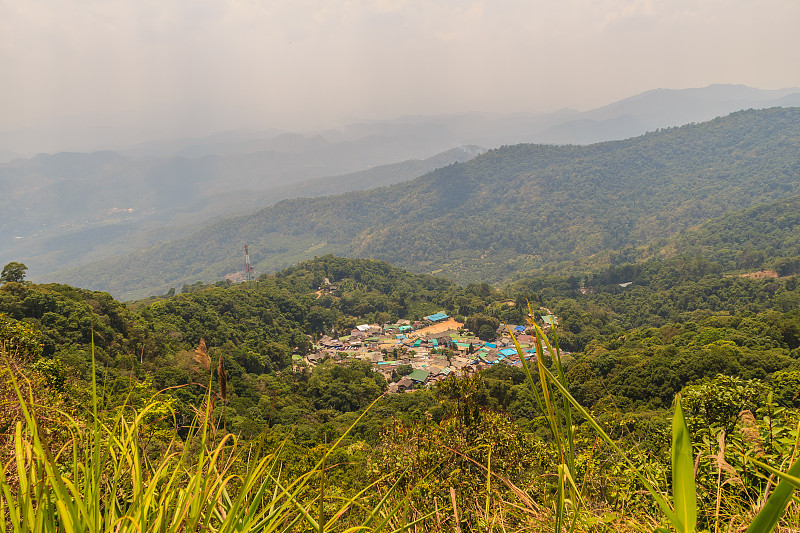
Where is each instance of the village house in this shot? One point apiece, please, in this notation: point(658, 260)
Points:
point(388, 346)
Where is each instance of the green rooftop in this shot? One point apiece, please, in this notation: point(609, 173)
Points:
point(419, 375)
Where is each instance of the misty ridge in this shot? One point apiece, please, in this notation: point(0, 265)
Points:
point(514, 211)
point(65, 209)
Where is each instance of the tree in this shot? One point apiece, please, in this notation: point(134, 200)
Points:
point(475, 322)
point(487, 333)
point(13, 272)
point(718, 401)
point(404, 370)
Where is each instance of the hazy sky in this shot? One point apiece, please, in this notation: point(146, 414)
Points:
point(176, 67)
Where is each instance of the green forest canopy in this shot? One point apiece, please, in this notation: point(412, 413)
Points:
point(523, 208)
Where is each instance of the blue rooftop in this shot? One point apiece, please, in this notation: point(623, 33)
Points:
point(507, 352)
point(436, 317)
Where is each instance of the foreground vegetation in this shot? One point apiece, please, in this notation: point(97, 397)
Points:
point(184, 412)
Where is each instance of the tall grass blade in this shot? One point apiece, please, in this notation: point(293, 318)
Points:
point(457, 521)
point(321, 508)
point(488, 483)
point(683, 486)
point(766, 519)
point(352, 501)
point(657, 496)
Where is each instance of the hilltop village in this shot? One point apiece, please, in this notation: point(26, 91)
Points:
point(412, 355)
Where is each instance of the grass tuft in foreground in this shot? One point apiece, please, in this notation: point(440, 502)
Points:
point(682, 512)
point(102, 480)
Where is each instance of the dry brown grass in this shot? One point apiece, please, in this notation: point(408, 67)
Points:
point(760, 274)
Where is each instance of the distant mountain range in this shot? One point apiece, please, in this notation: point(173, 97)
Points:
point(512, 210)
point(648, 111)
point(67, 222)
point(66, 209)
point(659, 108)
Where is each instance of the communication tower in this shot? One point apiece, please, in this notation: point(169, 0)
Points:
point(248, 270)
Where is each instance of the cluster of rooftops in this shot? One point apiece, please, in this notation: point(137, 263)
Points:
point(434, 348)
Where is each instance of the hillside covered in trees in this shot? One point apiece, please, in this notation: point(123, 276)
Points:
point(523, 208)
point(730, 344)
point(764, 236)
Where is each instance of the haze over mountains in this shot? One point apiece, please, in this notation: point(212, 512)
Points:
point(657, 108)
point(65, 209)
point(512, 210)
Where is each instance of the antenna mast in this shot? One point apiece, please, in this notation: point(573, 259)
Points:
point(248, 270)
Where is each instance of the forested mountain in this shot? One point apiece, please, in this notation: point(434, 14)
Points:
point(662, 108)
point(603, 303)
point(66, 209)
point(56, 213)
point(76, 190)
point(763, 236)
point(514, 209)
